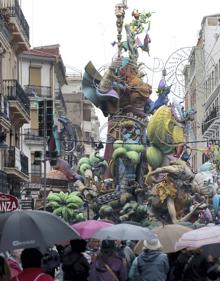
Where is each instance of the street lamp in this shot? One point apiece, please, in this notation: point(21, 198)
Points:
point(45, 147)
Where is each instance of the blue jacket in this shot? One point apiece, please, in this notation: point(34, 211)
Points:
point(149, 266)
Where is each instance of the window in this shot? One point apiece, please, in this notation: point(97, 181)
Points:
point(212, 21)
point(209, 86)
point(87, 136)
point(219, 69)
point(213, 81)
point(206, 90)
point(35, 164)
point(216, 74)
point(86, 112)
point(36, 170)
point(35, 79)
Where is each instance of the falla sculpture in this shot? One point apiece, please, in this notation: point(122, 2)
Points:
point(145, 173)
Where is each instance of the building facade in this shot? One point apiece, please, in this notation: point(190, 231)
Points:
point(202, 77)
point(14, 103)
point(81, 113)
point(42, 75)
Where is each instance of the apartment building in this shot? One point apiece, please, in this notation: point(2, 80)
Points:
point(202, 77)
point(42, 75)
point(14, 103)
point(81, 112)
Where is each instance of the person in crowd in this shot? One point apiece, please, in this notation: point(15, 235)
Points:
point(125, 252)
point(151, 265)
point(213, 271)
point(5, 274)
point(14, 266)
point(93, 247)
point(108, 265)
point(74, 265)
point(51, 261)
point(172, 258)
point(191, 265)
point(31, 264)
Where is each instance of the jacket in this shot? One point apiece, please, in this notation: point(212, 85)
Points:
point(75, 267)
point(31, 274)
point(99, 272)
point(149, 266)
point(191, 267)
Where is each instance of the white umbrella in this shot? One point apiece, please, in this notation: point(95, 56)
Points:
point(124, 231)
point(200, 237)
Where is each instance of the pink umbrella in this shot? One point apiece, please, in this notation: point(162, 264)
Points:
point(86, 229)
point(200, 237)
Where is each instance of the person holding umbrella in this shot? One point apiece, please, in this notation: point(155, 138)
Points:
point(151, 265)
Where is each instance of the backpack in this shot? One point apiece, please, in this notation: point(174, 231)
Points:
point(77, 270)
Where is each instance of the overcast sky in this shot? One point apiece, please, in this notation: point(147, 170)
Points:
point(85, 28)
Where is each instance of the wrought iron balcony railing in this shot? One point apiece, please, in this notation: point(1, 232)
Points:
point(215, 113)
point(13, 90)
point(11, 8)
point(3, 182)
point(4, 107)
point(41, 91)
point(32, 134)
point(16, 159)
point(4, 29)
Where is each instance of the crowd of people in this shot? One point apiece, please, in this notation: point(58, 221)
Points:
point(109, 260)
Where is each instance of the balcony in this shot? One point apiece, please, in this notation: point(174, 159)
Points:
point(40, 91)
point(4, 31)
point(16, 164)
point(16, 23)
point(31, 137)
point(211, 123)
point(3, 182)
point(19, 103)
point(4, 113)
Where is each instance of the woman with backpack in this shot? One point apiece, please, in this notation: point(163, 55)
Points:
point(74, 265)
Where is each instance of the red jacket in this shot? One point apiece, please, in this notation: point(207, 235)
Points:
point(31, 274)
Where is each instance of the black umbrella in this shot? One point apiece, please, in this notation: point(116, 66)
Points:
point(27, 229)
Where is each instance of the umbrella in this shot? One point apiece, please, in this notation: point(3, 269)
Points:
point(168, 235)
point(124, 231)
point(26, 229)
point(200, 237)
point(87, 228)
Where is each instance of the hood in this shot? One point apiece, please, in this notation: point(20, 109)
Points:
point(113, 262)
point(149, 255)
